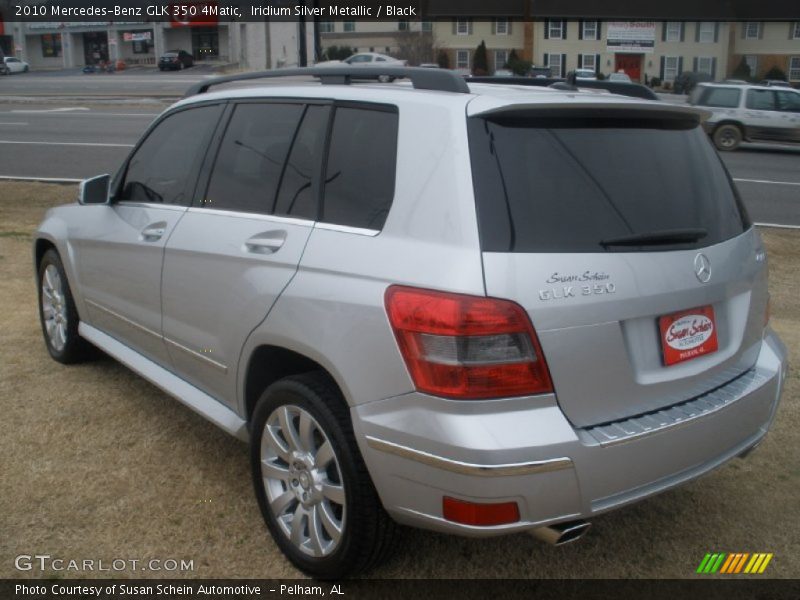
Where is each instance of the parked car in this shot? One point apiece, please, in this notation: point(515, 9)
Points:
point(686, 81)
point(397, 344)
point(749, 113)
point(365, 59)
point(620, 77)
point(539, 72)
point(775, 83)
point(15, 65)
point(587, 74)
point(175, 60)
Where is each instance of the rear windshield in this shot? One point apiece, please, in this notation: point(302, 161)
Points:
point(574, 184)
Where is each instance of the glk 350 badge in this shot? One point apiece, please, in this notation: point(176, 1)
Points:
point(589, 284)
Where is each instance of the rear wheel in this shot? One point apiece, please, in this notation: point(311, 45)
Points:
point(57, 312)
point(727, 137)
point(311, 483)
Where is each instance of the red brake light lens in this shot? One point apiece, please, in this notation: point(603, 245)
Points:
point(466, 347)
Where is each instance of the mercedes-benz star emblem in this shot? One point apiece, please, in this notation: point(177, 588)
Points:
point(702, 268)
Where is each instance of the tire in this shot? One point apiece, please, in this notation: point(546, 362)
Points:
point(57, 313)
point(342, 528)
point(727, 137)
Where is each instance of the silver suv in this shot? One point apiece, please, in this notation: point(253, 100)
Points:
point(474, 309)
point(749, 113)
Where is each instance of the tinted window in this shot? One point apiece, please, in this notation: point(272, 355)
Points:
point(721, 97)
point(566, 185)
point(160, 168)
point(299, 185)
point(788, 101)
point(761, 99)
point(250, 159)
point(359, 181)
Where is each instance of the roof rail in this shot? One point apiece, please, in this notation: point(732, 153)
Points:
point(422, 79)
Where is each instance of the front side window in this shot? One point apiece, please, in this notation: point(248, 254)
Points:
point(360, 174)
point(251, 158)
point(705, 32)
point(590, 30)
point(673, 31)
point(760, 100)
point(160, 168)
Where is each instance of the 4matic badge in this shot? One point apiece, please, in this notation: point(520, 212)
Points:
point(588, 283)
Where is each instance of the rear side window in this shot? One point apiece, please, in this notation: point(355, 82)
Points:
point(160, 169)
point(574, 184)
point(360, 173)
point(788, 101)
point(761, 99)
point(251, 158)
point(721, 97)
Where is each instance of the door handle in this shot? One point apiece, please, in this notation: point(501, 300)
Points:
point(268, 242)
point(154, 232)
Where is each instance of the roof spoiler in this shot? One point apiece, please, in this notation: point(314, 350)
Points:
point(422, 79)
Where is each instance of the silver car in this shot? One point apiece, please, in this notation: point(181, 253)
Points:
point(749, 113)
point(474, 309)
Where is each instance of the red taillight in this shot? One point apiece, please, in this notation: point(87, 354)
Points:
point(460, 346)
point(483, 515)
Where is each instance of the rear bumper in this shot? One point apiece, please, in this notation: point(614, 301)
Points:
point(420, 448)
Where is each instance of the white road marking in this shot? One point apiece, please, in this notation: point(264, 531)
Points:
point(68, 144)
point(20, 123)
point(768, 181)
point(46, 179)
point(49, 110)
point(777, 225)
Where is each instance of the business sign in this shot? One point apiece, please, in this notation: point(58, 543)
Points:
point(137, 36)
point(631, 36)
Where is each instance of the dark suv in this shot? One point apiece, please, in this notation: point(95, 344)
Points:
point(175, 60)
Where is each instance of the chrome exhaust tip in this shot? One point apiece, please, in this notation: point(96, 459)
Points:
point(561, 533)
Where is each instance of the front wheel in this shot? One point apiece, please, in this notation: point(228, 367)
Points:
point(727, 137)
point(311, 483)
point(57, 312)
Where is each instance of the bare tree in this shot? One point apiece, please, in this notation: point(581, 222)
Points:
point(415, 46)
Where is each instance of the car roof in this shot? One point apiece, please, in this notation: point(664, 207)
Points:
point(738, 86)
point(482, 97)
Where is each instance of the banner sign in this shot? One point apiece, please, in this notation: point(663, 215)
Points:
point(631, 36)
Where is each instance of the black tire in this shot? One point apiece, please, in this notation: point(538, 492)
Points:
point(74, 349)
point(727, 137)
point(367, 531)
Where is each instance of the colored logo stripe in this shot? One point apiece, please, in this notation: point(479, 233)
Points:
point(734, 563)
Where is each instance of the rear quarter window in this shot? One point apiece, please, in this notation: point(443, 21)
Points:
point(720, 97)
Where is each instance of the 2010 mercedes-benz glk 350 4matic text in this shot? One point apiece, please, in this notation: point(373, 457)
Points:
point(475, 309)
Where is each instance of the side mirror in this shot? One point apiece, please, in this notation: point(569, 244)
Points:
point(95, 190)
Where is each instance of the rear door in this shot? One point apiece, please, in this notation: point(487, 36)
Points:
point(762, 118)
point(236, 250)
point(121, 245)
point(622, 237)
point(789, 107)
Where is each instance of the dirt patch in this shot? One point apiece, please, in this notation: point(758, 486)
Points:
point(99, 464)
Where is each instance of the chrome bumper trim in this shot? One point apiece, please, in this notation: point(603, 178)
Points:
point(438, 462)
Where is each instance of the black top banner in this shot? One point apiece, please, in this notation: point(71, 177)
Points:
point(211, 11)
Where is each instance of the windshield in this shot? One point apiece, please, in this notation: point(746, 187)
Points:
point(572, 184)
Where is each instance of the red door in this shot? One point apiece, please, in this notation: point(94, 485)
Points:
point(631, 64)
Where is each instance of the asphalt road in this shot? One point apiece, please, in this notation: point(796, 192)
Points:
point(71, 141)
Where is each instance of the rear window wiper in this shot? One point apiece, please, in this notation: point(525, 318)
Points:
point(656, 238)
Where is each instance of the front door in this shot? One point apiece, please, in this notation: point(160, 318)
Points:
point(234, 253)
point(630, 64)
point(121, 246)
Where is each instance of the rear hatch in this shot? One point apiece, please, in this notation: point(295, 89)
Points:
point(618, 229)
